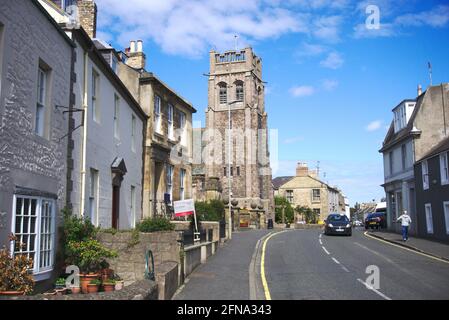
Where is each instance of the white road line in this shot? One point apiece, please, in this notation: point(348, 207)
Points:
point(325, 250)
point(373, 289)
point(321, 235)
point(321, 242)
point(335, 260)
point(344, 268)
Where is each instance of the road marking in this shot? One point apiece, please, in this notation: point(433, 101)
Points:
point(335, 260)
point(373, 289)
point(262, 265)
point(321, 235)
point(404, 248)
point(321, 242)
point(325, 250)
point(344, 268)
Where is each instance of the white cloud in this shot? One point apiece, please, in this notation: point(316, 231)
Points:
point(384, 30)
point(332, 61)
point(374, 126)
point(436, 17)
point(302, 91)
point(309, 50)
point(330, 85)
point(293, 140)
point(192, 27)
point(328, 28)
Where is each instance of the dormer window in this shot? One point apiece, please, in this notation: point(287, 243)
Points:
point(400, 120)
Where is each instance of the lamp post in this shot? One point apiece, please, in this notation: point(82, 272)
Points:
point(229, 167)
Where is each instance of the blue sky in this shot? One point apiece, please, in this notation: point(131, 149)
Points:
point(331, 82)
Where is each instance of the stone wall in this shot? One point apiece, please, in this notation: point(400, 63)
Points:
point(130, 263)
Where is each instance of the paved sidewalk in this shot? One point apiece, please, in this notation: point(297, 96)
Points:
point(430, 247)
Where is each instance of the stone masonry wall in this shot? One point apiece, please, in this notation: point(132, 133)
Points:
point(130, 263)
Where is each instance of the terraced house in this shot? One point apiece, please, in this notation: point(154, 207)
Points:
point(168, 144)
point(35, 73)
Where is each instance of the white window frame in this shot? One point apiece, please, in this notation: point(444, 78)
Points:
point(429, 218)
point(446, 215)
point(182, 127)
point(316, 199)
point(41, 102)
point(182, 177)
point(157, 113)
point(40, 273)
point(116, 116)
point(289, 196)
point(425, 174)
point(94, 96)
point(444, 168)
point(170, 114)
point(133, 132)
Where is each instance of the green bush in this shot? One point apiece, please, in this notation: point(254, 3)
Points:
point(210, 211)
point(288, 210)
point(77, 228)
point(89, 255)
point(155, 224)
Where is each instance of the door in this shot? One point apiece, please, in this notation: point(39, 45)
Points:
point(115, 207)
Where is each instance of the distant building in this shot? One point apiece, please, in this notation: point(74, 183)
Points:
point(417, 127)
point(35, 73)
point(432, 189)
point(305, 189)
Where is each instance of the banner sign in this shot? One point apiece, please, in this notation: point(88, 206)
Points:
point(184, 208)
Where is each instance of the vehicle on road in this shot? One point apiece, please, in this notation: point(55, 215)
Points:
point(357, 223)
point(337, 224)
point(376, 220)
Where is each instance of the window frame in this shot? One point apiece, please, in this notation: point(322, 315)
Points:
point(289, 195)
point(239, 91)
point(425, 175)
point(157, 113)
point(429, 222)
point(40, 273)
point(222, 93)
point(133, 132)
point(94, 96)
point(314, 197)
point(444, 168)
point(182, 177)
point(182, 127)
point(404, 156)
point(133, 205)
point(170, 121)
point(169, 174)
point(41, 102)
point(93, 195)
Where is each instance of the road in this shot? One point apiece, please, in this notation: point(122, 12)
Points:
point(307, 265)
point(304, 265)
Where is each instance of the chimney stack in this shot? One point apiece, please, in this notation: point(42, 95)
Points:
point(302, 170)
point(136, 57)
point(419, 90)
point(87, 14)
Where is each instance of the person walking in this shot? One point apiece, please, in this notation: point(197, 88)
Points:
point(405, 223)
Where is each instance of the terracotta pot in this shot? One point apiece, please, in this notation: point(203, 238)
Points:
point(75, 290)
point(12, 293)
point(92, 288)
point(108, 287)
point(85, 279)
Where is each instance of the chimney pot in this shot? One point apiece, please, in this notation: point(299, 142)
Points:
point(132, 46)
point(139, 46)
point(419, 90)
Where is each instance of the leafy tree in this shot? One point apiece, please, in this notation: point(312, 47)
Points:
point(309, 215)
point(288, 210)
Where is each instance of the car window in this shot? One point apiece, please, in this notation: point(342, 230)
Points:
point(335, 218)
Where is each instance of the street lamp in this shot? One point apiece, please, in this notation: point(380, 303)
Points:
point(229, 166)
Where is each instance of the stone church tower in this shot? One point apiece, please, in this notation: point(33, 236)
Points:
point(236, 87)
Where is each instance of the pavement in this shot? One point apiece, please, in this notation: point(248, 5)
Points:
point(308, 265)
point(225, 275)
point(434, 248)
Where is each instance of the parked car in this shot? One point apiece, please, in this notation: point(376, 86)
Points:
point(357, 223)
point(337, 224)
point(376, 220)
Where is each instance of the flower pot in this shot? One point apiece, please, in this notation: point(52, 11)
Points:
point(85, 279)
point(92, 288)
point(108, 287)
point(12, 293)
point(119, 285)
point(75, 290)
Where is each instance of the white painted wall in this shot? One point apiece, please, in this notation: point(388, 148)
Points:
point(398, 170)
point(103, 148)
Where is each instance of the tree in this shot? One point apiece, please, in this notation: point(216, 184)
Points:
point(289, 214)
point(309, 215)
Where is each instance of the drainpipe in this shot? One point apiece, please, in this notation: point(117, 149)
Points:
point(84, 141)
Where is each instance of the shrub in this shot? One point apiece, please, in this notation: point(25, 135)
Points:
point(155, 224)
point(288, 210)
point(210, 211)
point(77, 228)
point(89, 255)
point(15, 274)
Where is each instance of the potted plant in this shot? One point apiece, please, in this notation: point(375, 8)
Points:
point(15, 276)
point(75, 290)
point(89, 256)
point(119, 283)
point(93, 286)
point(109, 285)
point(60, 283)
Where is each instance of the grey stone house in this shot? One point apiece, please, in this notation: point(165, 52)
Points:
point(432, 193)
point(35, 72)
